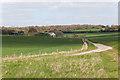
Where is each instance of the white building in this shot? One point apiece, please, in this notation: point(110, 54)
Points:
point(52, 34)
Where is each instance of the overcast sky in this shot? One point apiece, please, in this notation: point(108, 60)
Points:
point(54, 13)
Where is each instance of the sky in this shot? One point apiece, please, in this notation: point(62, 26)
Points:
point(21, 14)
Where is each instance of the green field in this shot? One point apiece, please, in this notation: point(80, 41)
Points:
point(37, 45)
point(87, 30)
point(94, 34)
point(95, 65)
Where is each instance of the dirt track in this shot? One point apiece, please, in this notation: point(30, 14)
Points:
point(100, 47)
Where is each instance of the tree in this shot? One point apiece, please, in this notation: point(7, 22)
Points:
point(32, 30)
point(4, 32)
point(21, 32)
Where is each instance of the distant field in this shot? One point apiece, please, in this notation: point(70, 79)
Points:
point(93, 34)
point(87, 30)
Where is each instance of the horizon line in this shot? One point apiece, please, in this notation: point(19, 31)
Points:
point(59, 25)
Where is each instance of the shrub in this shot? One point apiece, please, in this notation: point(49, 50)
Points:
point(43, 34)
point(32, 30)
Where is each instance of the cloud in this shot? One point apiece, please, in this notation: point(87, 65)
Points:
point(46, 13)
point(83, 4)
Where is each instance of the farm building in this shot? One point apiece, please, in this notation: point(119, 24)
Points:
point(59, 33)
point(52, 34)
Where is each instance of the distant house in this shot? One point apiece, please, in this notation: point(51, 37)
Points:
point(52, 34)
point(57, 33)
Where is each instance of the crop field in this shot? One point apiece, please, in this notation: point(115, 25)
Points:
point(37, 45)
point(95, 65)
point(87, 30)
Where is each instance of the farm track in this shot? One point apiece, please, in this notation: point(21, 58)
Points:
point(100, 47)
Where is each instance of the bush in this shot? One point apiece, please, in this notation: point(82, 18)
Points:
point(32, 30)
point(43, 34)
point(40, 34)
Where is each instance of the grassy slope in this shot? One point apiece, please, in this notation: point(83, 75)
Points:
point(96, 65)
point(37, 45)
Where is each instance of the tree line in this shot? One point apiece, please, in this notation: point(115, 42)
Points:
point(64, 28)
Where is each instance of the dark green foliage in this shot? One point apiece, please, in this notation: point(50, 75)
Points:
point(43, 34)
point(32, 30)
point(20, 32)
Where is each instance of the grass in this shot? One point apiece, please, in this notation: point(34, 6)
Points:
point(95, 65)
point(87, 30)
point(56, 67)
point(84, 66)
point(110, 65)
